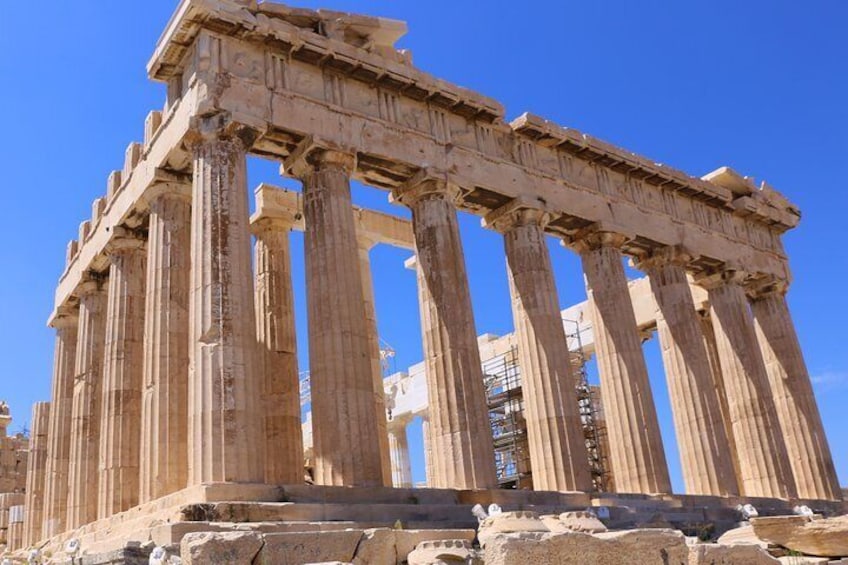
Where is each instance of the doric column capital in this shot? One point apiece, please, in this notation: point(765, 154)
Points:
point(720, 277)
point(767, 288)
point(311, 155)
point(168, 185)
point(595, 237)
point(518, 212)
point(92, 283)
point(425, 185)
point(662, 256)
point(65, 317)
point(264, 226)
point(124, 241)
point(219, 128)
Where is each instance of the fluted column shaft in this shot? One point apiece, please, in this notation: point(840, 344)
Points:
point(164, 412)
point(763, 463)
point(701, 437)
point(364, 245)
point(120, 433)
point(344, 423)
point(399, 449)
point(558, 455)
point(83, 475)
point(636, 450)
point(59, 434)
point(276, 332)
point(460, 434)
point(803, 432)
point(721, 390)
point(225, 417)
point(36, 467)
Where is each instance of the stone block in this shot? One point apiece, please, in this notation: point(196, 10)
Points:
point(716, 554)
point(84, 230)
point(220, 548)
point(131, 159)
point(741, 535)
point(823, 537)
point(151, 126)
point(309, 547)
point(113, 183)
point(377, 546)
point(73, 247)
point(804, 560)
point(646, 547)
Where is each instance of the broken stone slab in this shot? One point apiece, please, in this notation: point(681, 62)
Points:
point(804, 560)
point(509, 522)
point(821, 537)
point(646, 547)
point(220, 548)
point(376, 546)
point(717, 554)
point(408, 540)
point(743, 535)
point(444, 551)
point(581, 521)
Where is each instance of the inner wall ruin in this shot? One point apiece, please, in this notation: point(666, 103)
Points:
point(176, 377)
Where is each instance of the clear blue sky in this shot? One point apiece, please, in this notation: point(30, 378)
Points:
point(760, 86)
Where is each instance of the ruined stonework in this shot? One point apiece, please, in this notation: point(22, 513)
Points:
point(13, 455)
point(14, 460)
point(175, 405)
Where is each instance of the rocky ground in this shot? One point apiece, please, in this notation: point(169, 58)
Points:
point(503, 538)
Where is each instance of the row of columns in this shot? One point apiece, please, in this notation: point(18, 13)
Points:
point(159, 383)
point(156, 375)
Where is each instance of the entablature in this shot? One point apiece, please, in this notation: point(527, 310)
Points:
point(395, 137)
point(284, 208)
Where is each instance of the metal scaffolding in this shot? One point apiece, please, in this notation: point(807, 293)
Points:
point(502, 378)
point(594, 430)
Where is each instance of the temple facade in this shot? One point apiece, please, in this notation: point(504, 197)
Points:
point(175, 357)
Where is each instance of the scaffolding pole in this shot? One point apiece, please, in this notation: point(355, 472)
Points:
point(594, 431)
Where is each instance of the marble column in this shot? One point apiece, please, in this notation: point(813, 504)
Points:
point(164, 405)
point(701, 436)
point(120, 431)
point(36, 472)
point(284, 464)
point(636, 450)
point(806, 443)
point(399, 449)
point(763, 463)
point(59, 434)
point(428, 452)
point(225, 381)
point(558, 455)
point(460, 433)
point(345, 429)
point(365, 244)
point(83, 475)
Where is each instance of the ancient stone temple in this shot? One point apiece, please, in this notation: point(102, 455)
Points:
point(176, 405)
